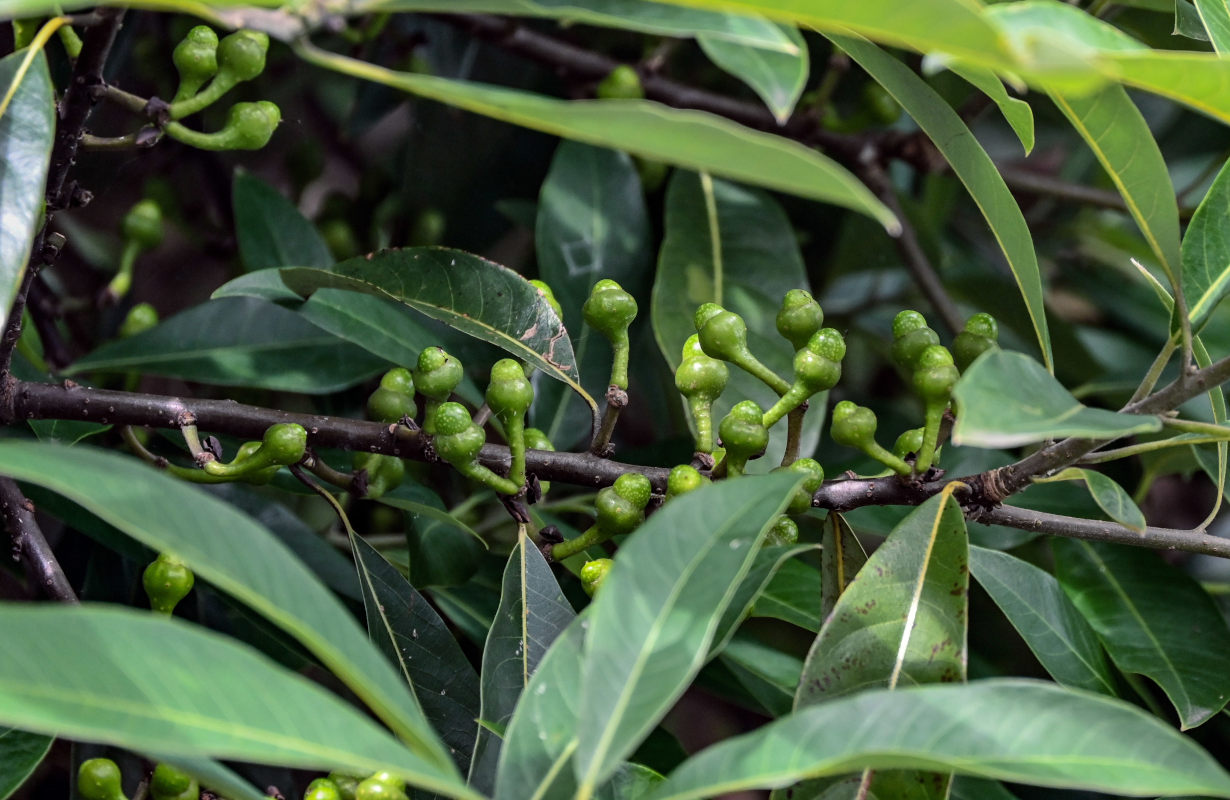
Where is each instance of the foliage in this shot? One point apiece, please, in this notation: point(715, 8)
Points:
point(474, 454)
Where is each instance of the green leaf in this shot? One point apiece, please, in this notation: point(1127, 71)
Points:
point(411, 634)
point(966, 788)
point(241, 341)
point(75, 674)
point(1109, 496)
point(733, 246)
point(271, 231)
point(1187, 21)
point(768, 674)
point(691, 139)
point(532, 614)
point(592, 224)
point(900, 622)
point(237, 556)
point(221, 780)
point(20, 754)
point(65, 431)
point(1050, 624)
point(653, 621)
point(1215, 15)
point(1115, 130)
point(1008, 729)
point(471, 294)
point(973, 167)
point(1017, 112)
point(841, 559)
point(542, 735)
point(264, 283)
point(769, 562)
point(776, 75)
point(1206, 251)
point(1153, 619)
point(793, 595)
point(26, 132)
point(1035, 409)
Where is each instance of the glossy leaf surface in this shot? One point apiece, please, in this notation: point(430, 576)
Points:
point(841, 559)
point(770, 560)
point(793, 595)
point(777, 75)
point(1153, 619)
point(1036, 408)
point(1017, 112)
point(20, 754)
point(1109, 496)
point(239, 341)
point(1206, 251)
point(660, 605)
point(1008, 729)
point(26, 132)
point(271, 231)
point(1050, 624)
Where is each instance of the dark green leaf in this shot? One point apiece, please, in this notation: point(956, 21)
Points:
point(1109, 496)
point(238, 556)
point(20, 754)
point(271, 231)
point(1016, 111)
point(1037, 407)
point(473, 295)
point(1206, 251)
point(768, 674)
point(769, 562)
point(793, 595)
point(65, 431)
point(840, 561)
point(74, 673)
point(443, 551)
point(26, 132)
point(240, 341)
point(1007, 729)
point(1036, 606)
point(653, 621)
point(411, 634)
point(1216, 18)
point(776, 74)
point(1153, 619)
point(734, 246)
point(532, 613)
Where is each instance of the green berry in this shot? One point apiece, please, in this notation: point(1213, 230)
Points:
point(99, 779)
point(143, 224)
point(723, 335)
point(388, 405)
point(704, 313)
point(980, 335)
point(398, 379)
point(609, 310)
point(323, 789)
point(594, 573)
point(799, 318)
point(908, 443)
point(438, 374)
point(621, 83)
point(384, 473)
point(801, 501)
point(457, 438)
point(635, 488)
point(855, 426)
point(346, 784)
point(785, 531)
point(284, 443)
point(982, 324)
point(907, 321)
point(509, 394)
point(546, 292)
point(167, 580)
point(251, 125)
point(909, 347)
point(169, 783)
point(743, 435)
point(140, 319)
point(196, 60)
point(935, 375)
point(375, 789)
point(683, 479)
point(621, 508)
point(701, 379)
point(817, 368)
point(428, 229)
point(881, 105)
point(691, 348)
point(241, 56)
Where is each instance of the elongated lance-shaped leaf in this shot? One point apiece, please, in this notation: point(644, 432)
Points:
point(532, 614)
point(236, 555)
point(734, 246)
point(76, 672)
point(1037, 408)
point(20, 753)
point(768, 561)
point(1206, 251)
point(542, 736)
point(793, 595)
point(1110, 496)
point(900, 622)
point(841, 559)
point(1008, 729)
point(26, 132)
point(776, 76)
point(473, 295)
point(974, 168)
point(270, 230)
point(660, 605)
point(1153, 619)
point(411, 634)
point(218, 778)
point(1016, 112)
point(1050, 624)
point(1215, 14)
point(692, 139)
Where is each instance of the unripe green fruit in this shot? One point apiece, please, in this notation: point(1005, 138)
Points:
point(704, 313)
point(398, 379)
point(384, 473)
point(701, 377)
point(284, 443)
point(323, 789)
point(143, 224)
point(251, 125)
point(907, 321)
point(880, 105)
point(935, 375)
point(169, 783)
point(537, 440)
point(683, 479)
point(196, 60)
point(457, 438)
point(546, 292)
point(785, 531)
point(909, 347)
point(438, 373)
point(609, 309)
point(909, 442)
point(167, 580)
point(799, 318)
point(616, 514)
point(241, 55)
point(509, 393)
point(983, 324)
point(374, 789)
point(724, 336)
point(635, 488)
point(387, 405)
point(743, 435)
point(99, 779)
point(429, 228)
point(622, 83)
point(853, 425)
point(388, 779)
point(691, 348)
point(346, 784)
point(141, 318)
point(594, 573)
point(980, 335)
point(801, 501)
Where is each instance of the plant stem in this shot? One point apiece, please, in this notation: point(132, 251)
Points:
point(794, 434)
point(571, 547)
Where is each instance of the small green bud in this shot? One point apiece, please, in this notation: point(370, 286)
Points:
point(594, 573)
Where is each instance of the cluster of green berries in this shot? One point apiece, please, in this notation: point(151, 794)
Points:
point(208, 69)
point(100, 779)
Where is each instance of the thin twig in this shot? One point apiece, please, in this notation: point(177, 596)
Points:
point(31, 546)
point(1101, 531)
point(616, 400)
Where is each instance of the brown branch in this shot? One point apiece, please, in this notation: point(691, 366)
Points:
point(1101, 531)
point(31, 546)
point(1038, 183)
